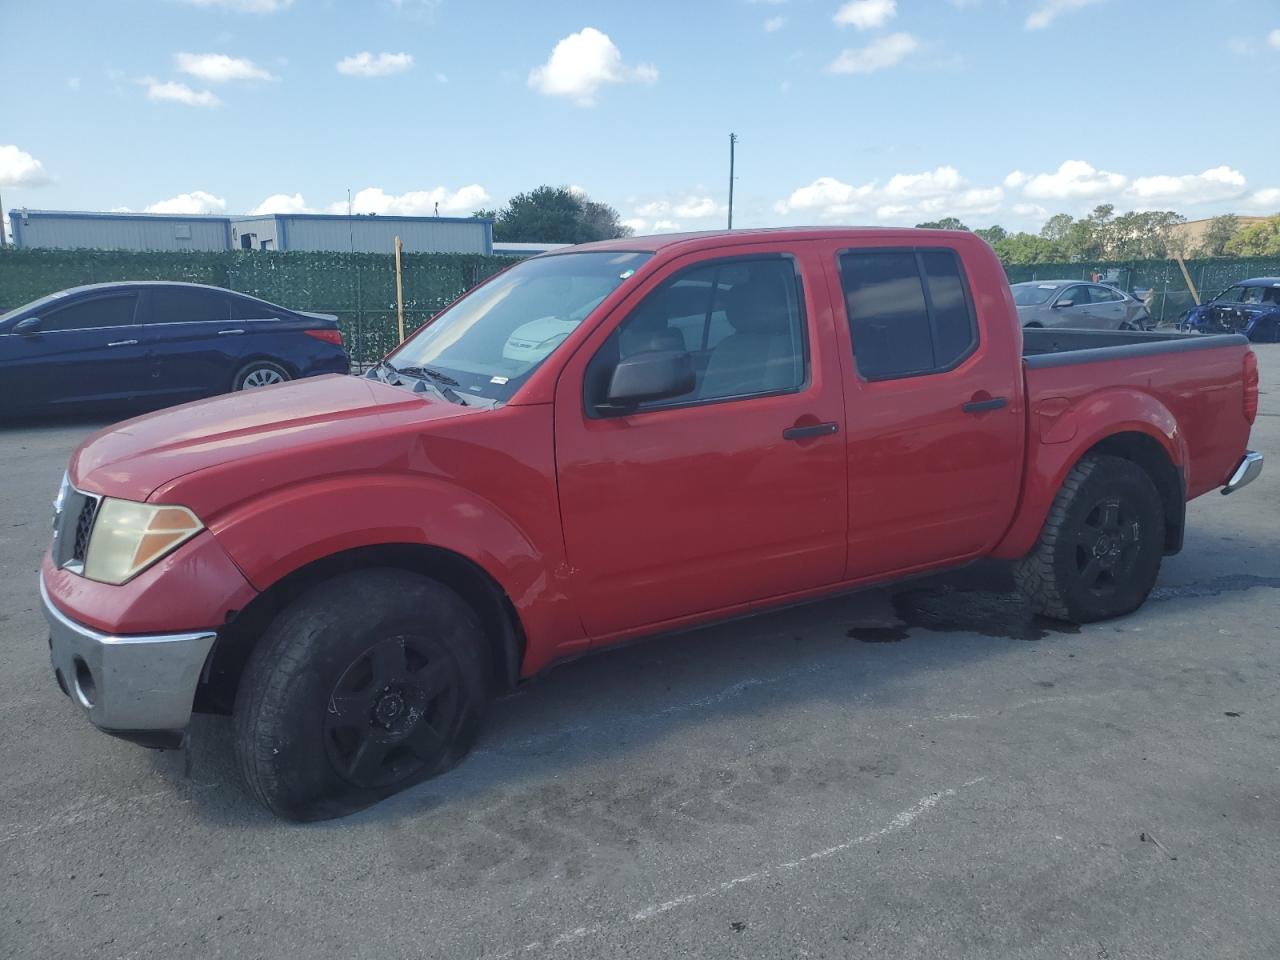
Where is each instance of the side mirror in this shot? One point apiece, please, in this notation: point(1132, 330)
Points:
point(28, 326)
point(1064, 303)
point(652, 375)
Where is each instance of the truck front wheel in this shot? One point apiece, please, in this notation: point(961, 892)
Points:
point(368, 683)
point(1100, 550)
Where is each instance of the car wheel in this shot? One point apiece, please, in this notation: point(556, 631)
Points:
point(1100, 550)
point(260, 373)
point(371, 682)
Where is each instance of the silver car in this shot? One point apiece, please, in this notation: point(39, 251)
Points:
point(1070, 303)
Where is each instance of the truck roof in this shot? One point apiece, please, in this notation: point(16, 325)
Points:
point(711, 238)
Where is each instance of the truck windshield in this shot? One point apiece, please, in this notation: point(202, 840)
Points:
point(489, 342)
point(1030, 294)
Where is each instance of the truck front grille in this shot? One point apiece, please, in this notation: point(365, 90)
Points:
point(72, 527)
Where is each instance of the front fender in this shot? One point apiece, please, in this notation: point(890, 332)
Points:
point(1057, 443)
point(285, 529)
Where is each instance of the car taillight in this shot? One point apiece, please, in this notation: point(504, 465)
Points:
point(1250, 386)
point(328, 336)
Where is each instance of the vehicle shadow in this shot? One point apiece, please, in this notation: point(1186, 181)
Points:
point(541, 754)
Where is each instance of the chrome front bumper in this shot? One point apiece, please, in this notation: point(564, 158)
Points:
point(138, 687)
point(1249, 470)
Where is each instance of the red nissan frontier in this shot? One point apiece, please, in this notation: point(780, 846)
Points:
point(617, 439)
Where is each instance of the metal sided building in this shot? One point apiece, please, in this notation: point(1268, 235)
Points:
point(362, 233)
point(67, 229)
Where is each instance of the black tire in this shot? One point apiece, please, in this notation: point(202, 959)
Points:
point(323, 681)
point(259, 373)
point(1100, 550)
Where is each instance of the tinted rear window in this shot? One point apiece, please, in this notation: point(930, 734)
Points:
point(188, 305)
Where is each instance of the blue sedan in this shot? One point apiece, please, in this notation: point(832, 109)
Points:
point(1251, 307)
point(154, 344)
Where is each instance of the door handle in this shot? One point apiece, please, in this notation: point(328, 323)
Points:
point(122, 343)
point(813, 430)
point(223, 333)
point(982, 406)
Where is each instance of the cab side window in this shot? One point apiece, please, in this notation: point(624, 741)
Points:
point(740, 320)
point(909, 312)
point(90, 314)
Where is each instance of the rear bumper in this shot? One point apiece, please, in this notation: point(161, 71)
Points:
point(140, 687)
point(1249, 470)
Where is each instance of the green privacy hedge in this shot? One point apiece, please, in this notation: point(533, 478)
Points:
point(359, 288)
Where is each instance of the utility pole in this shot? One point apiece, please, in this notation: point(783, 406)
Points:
point(1, 221)
point(733, 139)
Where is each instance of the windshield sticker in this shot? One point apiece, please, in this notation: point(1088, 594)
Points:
point(1048, 286)
point(498, 380)
point(625, 274)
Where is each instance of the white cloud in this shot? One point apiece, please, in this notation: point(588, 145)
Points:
point(665, 226)
point(774, 24)
point(692, 207)
point(282, 203)
point(1050, 10)
point(879, 54)
point(1073, 179)
point(20, 169)
point(1273, 38)
point(905, 198)
point(638, 224)
point(1025, 199)
point(244, 6)
point(581, 64)
point(197, 201)
point(866, 14)
point(174, 92)
point(219, 68)
point(1220, 183)
point(416, 203)
point(366, 64)
point(1268, 199)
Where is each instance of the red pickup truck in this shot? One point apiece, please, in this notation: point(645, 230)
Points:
point(613, 440)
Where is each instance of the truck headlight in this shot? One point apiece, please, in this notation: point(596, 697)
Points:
point(128, 537)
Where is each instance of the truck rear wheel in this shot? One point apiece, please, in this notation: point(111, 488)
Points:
point(368, 683)
point(1099, 552)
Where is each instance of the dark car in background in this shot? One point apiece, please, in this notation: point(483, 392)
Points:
point(1078, 305)
point(155, 344)
point(1251, 307)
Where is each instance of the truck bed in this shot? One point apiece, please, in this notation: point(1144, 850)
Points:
point(1055, 348)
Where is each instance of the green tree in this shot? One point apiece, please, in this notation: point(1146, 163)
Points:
point(1222, 231)
point(946, 223)
point(993, 234)
point(485, 214)
point(1027, 248)
point(1144, 235)
point(1260, 239)
point(557, 215)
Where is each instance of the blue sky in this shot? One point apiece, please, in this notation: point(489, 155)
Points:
point(853, 111)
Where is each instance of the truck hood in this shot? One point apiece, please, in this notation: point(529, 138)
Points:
point(132, 459)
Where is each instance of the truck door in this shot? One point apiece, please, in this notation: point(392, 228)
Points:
point(934, 408)
point(730, 493)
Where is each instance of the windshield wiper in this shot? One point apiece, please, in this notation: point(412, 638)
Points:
point(446, 382)
point(435, 375)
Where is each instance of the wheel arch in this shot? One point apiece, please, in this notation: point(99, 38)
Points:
point(1144, 434)
point(1148, 453)
point(486, 597)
